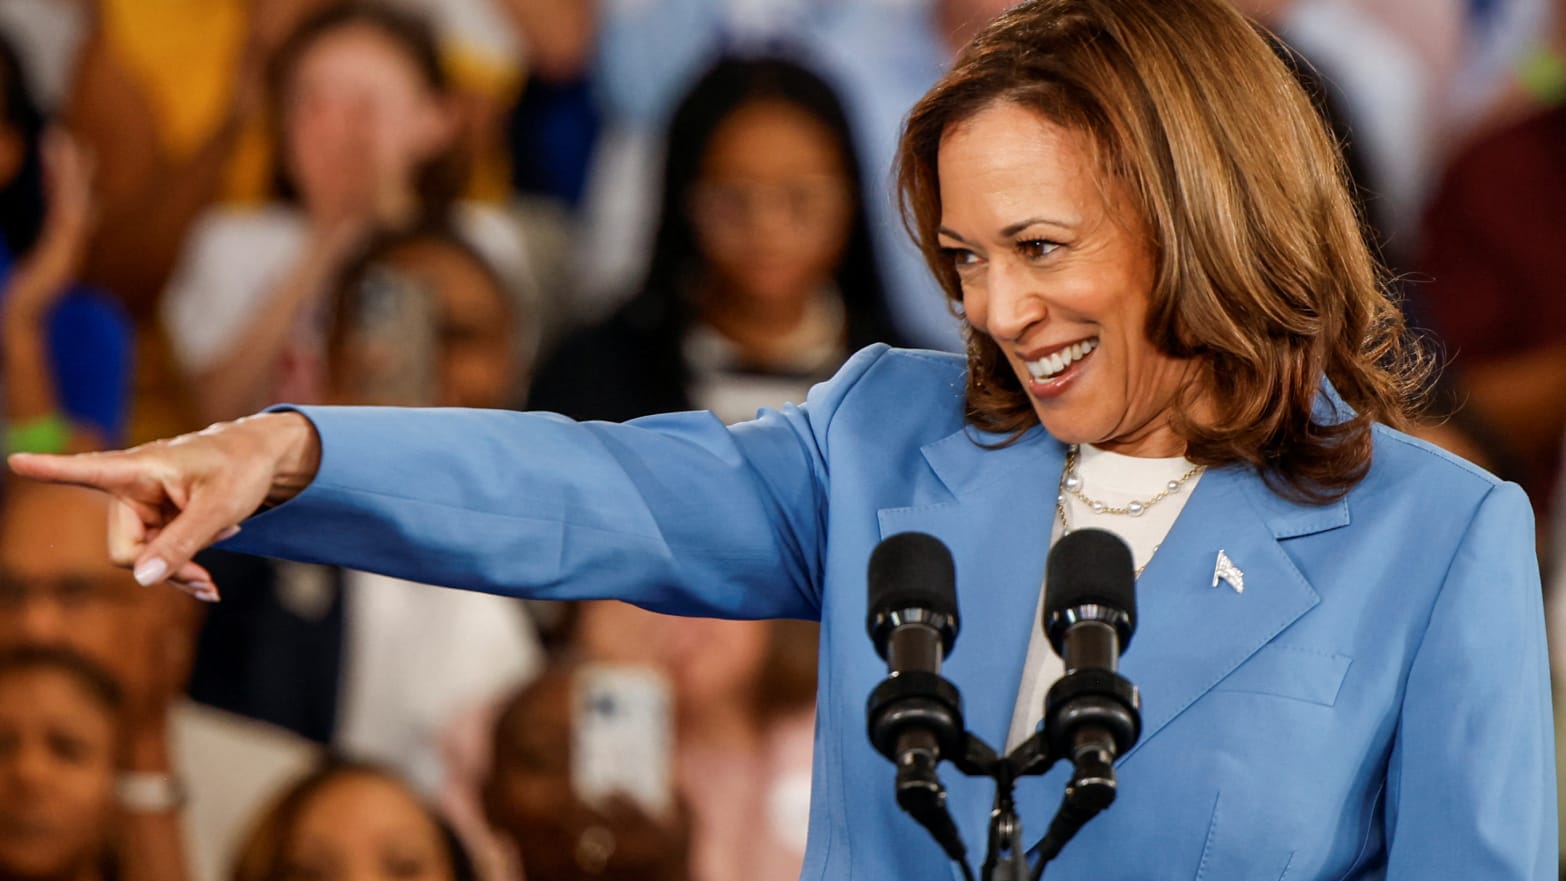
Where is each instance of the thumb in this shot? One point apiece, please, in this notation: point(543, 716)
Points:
point(111, 472)
point(199, 525)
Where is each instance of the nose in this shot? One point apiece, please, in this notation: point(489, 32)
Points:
point(25, 770)
point(42, 623)
point(1013, 302)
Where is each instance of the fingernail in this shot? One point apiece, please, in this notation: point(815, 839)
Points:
point(151, 571)
point(228, 533)
point(205, 591)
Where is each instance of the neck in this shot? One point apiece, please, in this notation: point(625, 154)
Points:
point(756, 326)
point(1154, 441)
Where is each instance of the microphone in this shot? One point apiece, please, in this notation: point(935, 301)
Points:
point(1092, 714)
point(915, 716)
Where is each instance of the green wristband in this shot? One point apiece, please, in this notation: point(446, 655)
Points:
point(49, 433)
point(1542, 74)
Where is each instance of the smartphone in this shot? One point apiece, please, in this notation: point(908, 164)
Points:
point(390, 346)
point(622, 737)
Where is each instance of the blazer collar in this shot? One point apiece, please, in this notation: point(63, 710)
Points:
point(997, 521)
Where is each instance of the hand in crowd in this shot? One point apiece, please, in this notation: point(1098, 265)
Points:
point(44, 275)
point(171, 498)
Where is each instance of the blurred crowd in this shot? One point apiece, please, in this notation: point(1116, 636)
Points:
point(606, 209)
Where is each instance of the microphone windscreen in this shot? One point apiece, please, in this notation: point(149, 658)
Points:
point(1090, 567)
point(912, 570)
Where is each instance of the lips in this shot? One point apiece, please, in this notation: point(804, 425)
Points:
point(1046, 367)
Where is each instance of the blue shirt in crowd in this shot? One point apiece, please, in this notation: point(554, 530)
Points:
point(90, 355)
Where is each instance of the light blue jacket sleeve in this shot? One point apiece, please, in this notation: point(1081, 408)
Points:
point(677, 513)
point(1471, 781)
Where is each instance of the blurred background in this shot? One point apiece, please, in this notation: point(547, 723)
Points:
point(604, 208)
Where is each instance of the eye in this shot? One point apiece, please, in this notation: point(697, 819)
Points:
point(1036, 249)
point(960, 258)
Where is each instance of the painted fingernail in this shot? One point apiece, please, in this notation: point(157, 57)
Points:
point(205, 591)
point(151, 571)
point(228, 533)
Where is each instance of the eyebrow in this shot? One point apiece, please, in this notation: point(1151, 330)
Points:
point(1015, 228)
point(1019, 226)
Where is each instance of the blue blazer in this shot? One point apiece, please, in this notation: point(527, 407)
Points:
point(1375, 704)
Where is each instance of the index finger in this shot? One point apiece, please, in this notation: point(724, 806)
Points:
point(110, 472)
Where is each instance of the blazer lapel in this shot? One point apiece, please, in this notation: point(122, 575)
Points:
point(997, 525)
point(1192, 634)
point(996, 521)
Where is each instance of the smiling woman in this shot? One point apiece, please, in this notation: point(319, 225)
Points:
point(1057, 270)
point(1176, 333)
point(1196, 198)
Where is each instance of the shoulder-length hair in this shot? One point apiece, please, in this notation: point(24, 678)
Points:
point(1263, 275)
point(729, 85)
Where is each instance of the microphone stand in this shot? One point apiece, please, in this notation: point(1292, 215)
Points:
point(1091, 789)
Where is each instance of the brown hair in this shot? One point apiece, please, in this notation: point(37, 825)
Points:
point(439, 181)
point(262, 856)
point(1263, 275)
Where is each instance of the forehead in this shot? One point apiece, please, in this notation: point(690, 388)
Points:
point(772, 137)
point(353, 53)
point(1017, 154)
point(42, 692)
point(54, 530)
point(1007, 163)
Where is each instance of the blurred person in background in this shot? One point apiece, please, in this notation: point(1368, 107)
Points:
point(1416, 78)
point(880, 56)
point(531, 800)
point(1493, 259)
point(60, 732)
point(170, 95)
point(762, 278)
point(66, 348)
point(377, 668)
point(350, 822)
point(368, 142)
point(192, 775)
point(744, 698)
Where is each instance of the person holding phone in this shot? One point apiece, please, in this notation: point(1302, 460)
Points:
point(1176, 332)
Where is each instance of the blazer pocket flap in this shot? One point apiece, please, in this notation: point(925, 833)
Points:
point(1304, 674)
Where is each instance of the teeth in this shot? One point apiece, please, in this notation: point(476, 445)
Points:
point(1051, 365)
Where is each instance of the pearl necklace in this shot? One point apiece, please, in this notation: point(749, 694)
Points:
point(1071, 483)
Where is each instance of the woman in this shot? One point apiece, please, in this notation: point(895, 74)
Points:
point(762, 278)
point(368, 130)
point(350, 821)
point(1157, 257)
point(59, 736)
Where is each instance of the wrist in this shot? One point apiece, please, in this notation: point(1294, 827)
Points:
point(147, 749)
point(297, 456)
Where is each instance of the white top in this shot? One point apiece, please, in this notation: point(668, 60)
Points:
point(232, 768)
point(1115, 480)
point(235, 258)
point(416, 658)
